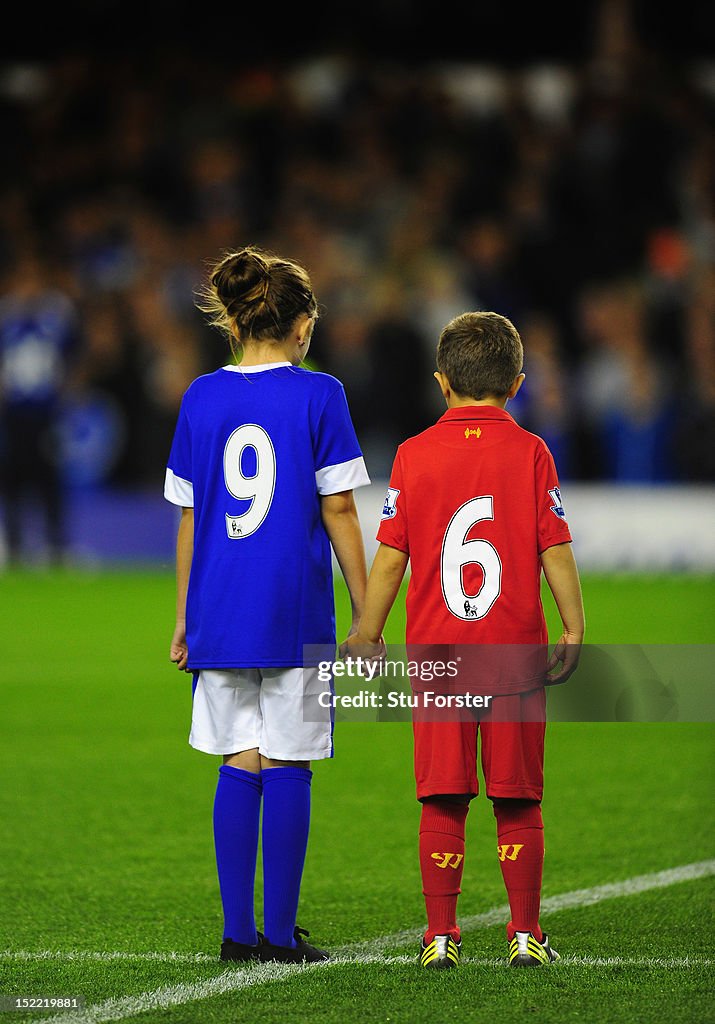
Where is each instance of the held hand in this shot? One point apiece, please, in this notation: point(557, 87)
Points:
point(566, 653)
point(357, 646)
point(179, 652)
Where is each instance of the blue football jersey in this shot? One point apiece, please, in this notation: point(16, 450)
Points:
point(253, 451)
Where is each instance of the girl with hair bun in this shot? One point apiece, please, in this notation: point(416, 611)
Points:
point(263, 466)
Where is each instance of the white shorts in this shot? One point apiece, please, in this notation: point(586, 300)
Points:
point(276, 710)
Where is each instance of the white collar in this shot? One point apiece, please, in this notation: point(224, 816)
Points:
point(255, 369)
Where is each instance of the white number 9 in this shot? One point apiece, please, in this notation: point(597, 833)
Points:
point(259, 488)
point(457, 552)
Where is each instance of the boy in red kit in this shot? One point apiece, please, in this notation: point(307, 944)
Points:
point(474, 505)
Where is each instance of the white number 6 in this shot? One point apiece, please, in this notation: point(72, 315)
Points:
point(457, 552)
point(259, 488)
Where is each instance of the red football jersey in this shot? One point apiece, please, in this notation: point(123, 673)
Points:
point(474, 500)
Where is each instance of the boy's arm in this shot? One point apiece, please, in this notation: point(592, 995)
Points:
point(342, 525)
point(562, 577)
point(388, 569)
point(184, 555)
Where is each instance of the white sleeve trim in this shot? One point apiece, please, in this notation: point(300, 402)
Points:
point(178, 491)
point(343, 477)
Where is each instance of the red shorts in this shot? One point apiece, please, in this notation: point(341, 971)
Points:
point(512, 748)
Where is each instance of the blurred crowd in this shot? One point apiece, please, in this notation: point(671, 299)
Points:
point(577, 200)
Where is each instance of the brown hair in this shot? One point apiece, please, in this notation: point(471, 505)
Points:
point(480, 354)
point(254, 295)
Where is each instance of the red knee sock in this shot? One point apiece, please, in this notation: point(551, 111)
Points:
point(520, 838)
point(442, 861)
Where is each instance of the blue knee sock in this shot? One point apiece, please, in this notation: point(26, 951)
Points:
point(237, 811)
point(286, 821)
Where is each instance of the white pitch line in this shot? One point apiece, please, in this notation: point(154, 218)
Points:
point(554, 904)
point(667, 962)
point(74, 956)
point(235, 979)
point(107, 956)
point(175, 995)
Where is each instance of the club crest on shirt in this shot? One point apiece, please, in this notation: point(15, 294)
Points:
point(389, 509)
point(557, 508)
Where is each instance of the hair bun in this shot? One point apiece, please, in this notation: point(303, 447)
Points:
point(248, 260)
point(242, 277)
point(252, 294)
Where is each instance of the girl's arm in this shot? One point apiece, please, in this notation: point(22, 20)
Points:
point(342, 525)
point(386, 574)
point(184, 556)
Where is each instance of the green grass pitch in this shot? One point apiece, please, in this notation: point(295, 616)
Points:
point(106, 843)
